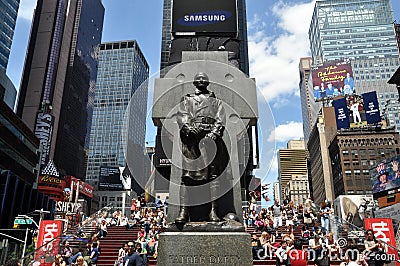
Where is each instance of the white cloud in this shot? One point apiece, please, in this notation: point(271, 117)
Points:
point(274, 58)
point(286, 132)
point(26, 8)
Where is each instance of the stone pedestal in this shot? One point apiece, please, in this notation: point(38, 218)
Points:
point(204, 248)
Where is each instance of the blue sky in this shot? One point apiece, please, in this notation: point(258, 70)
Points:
point(277, 32)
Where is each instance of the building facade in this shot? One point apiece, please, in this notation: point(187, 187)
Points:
point(19, 159)
point(277, 191)
point(320, 172)
point(120, 104)
point(8, 92)
point(309, 108)
point(362, 31)
point(8, 18)
point(297, 189)
point(292, 161)
point(353, 153)
point(57, 87)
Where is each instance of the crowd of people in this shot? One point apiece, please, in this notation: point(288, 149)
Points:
point(291, 234)
point(294, 235)
point(148, 220)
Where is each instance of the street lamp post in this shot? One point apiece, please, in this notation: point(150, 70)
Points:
point(24, 249)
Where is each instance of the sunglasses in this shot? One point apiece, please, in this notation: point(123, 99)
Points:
point(131, 246)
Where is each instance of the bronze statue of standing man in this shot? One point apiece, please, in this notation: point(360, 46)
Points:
point(201, 119)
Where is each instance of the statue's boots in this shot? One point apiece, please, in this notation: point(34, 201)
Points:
point(183, 215)
point(213, 213)
point(213, 217)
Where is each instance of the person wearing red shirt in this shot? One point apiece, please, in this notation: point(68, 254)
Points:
point(298, 256)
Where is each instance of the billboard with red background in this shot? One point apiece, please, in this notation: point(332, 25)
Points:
point(48, 241)
point(84, 188)
point(383, 230)
point(331, 79)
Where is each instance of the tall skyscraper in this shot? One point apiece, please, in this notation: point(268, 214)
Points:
point(8, 17)
point(167, 35)
point(122, 69)
point(362, 31)
point(309, 108)
point(57, 87)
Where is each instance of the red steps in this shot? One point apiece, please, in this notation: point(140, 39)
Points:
point(118, 235)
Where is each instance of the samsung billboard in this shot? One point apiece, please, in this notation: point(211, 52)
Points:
point(207, 17)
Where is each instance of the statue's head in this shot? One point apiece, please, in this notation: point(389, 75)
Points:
point(201, 81)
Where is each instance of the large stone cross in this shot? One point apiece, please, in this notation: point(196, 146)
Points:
point(237, 91)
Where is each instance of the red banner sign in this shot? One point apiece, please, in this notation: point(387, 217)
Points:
point(383, 230)
point(48, 241)
point(84, 188)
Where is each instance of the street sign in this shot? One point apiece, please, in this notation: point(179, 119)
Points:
point(22, 221)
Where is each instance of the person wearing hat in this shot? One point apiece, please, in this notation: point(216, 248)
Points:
point(384, 179)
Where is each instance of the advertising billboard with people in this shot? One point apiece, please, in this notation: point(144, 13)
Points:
point(332, 79)
point(355, 111)
point(385, 176)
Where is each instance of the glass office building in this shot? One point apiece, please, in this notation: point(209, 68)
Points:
point(362, 31)
point(8, 17)
point(122, 69)
point(58, 81)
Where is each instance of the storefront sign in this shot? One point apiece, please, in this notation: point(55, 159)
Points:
point(50, 179)
point(67, 207)
point(43, 131)
point(383, 230)
point(48, 241)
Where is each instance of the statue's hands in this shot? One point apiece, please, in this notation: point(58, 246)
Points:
point(189, 130)
point(194, 130)
point(211, 136)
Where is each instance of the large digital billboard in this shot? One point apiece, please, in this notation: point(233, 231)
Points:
point(354, 208)
point(385, 176)
point(114, 178)
point(206, 17)
point(332, 79)
point(355, 111)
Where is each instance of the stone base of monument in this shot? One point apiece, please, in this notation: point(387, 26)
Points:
point(223, 226)
point(204, 248)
